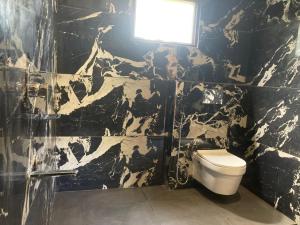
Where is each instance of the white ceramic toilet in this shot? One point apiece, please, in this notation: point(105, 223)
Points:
point(218, 170)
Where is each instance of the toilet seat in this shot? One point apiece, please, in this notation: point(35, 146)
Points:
point(221, 161)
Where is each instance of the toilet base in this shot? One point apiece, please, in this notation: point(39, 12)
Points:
point(215, 182)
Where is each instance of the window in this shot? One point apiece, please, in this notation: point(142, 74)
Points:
point(166, 20)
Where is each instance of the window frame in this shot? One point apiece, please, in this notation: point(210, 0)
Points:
point(195, 33)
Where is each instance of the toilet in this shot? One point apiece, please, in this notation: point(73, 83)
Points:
point(218, 170)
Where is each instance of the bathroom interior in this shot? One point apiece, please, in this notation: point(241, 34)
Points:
point(139, 112)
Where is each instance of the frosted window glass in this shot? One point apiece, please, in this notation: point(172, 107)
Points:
point(165, 20)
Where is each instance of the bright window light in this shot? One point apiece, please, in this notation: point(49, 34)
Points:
point(165, 20)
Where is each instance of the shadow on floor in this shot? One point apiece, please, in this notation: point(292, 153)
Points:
point(243, 204)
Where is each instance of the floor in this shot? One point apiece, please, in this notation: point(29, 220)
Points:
point(160, 206)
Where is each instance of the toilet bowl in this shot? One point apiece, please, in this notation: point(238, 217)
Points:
point(218, 170)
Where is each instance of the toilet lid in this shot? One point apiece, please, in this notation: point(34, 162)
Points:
point(221, 158)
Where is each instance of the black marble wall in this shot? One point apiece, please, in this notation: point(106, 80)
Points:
point(273, 127)
point(237, 89)
point(210, 96)
point(118, 103)
point(117, 116)
point(256, 117)
point(26, 34)
point(116, 130)
point(23, 118)
point(106, 106)
point(26, 45)
point(94, 42)
point(111, 162)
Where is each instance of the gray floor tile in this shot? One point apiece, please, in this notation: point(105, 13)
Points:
point(140, 214)
point(164, 193)
point(114, 198)
point(71, 215)
point(160, 206)
point(137, 213)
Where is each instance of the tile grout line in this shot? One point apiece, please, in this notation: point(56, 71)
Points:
point(148, 202)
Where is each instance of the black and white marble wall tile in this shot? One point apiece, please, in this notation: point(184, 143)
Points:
point(2, 99)
point(97, 106)
point(225, 36)
point(274, 120)
point(28, 34)
point(228, 16)
point(110, 162)
point(278, 12)
point(274, 61)
point(30, 116)
point(74, 8)
point(2, 34)
point(95, 40)
point(94, 37)
point(120, 94)
point(104, 53)
point(269, 144)
point(28, 101)
point(207, 111)
point(14, 149)
point(274, 176)
point(3, 209)
point(2, 128)
point(2, 156)
point(225, 63)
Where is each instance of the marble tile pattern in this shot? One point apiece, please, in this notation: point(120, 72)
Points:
point(104, 106)
point(113, 97)
point(89, 46)
point(26, 99)
point(270, 142)
point(110, 162)
point(260, 124)
point(93, 32)
point(274, 176)
point(207, 111)
point(26, 43)
point(273, 61)
point(26, 34)
point(11, 152)
point(236, 45)
point(140, 106)
point(273, 123)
